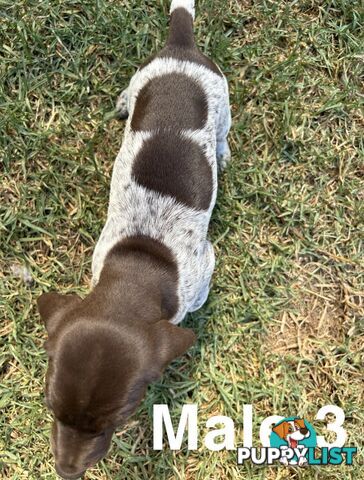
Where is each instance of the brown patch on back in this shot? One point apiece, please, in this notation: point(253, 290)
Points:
point(155, 264)
point(170, 101)
point(175, 166)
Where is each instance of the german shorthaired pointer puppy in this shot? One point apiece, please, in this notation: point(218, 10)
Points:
point(152, 263)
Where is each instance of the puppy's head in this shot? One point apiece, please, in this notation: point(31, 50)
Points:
point(98, 372)
point(292, 431)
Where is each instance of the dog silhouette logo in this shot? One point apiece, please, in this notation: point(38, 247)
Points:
point(293, 433)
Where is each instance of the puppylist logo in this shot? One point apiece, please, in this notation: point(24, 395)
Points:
point(293, 441)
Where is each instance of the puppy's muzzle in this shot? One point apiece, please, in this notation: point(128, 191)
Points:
point(69, 473)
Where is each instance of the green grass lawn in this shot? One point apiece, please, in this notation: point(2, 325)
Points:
point(283, 327)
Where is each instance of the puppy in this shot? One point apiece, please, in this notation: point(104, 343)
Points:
point(292, 432)
point(152, 263)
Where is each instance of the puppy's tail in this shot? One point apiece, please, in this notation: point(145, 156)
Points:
point(181, 26)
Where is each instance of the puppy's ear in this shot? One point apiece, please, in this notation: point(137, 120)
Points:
point(281, 430)
point(173, 341)
point(52, 305)
point(300, 422)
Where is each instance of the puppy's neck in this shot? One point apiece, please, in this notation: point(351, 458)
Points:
point(138, 281)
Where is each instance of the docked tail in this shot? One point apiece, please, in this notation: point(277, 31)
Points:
point(181, 25)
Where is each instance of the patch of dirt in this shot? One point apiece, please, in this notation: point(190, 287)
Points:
point(326, 308)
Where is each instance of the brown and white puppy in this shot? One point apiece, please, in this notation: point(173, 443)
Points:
point(153, 262)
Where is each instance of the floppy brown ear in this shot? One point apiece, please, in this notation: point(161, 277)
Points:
point(52, 305)
point(281, 430)
point(174, 341)
point(300, 422)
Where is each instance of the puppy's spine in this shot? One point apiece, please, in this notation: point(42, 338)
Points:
point(181, 25)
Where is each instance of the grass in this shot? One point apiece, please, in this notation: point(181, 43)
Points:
point(283, 328)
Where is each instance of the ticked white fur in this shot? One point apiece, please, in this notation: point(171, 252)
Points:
point(135, 210)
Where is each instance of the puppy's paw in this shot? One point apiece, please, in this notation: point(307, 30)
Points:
point(302, 462)
point(223, 154)
point(121, 110)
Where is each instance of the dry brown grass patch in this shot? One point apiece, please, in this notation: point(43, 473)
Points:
point(324, 312)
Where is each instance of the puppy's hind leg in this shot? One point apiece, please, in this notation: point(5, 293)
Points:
point(223, 153)
point(207, 267)
point(122, 105)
